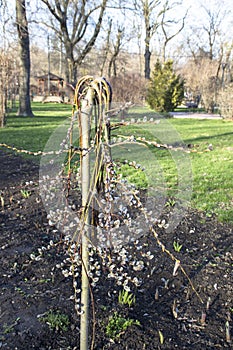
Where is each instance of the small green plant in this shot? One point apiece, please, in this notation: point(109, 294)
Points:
point(117, 325)
point(44, 280)
point(103, 307)
point(170, 203)
point(161, 337)
point(25, 193)
point(9, 328)
point(126, 298)
point(177, 247)
point(56, 320)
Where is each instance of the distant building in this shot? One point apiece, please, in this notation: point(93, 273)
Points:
point(50, 84)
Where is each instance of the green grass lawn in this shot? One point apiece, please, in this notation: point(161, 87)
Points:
point(206, 175)
point(33, 133)
point(211, 173)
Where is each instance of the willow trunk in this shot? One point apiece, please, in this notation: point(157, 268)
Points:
point(84, 127)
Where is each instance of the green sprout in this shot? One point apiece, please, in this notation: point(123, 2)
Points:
point(170, 203)
point(177, 247)
point(25, 193)
point(126, 298)
point(161, 337)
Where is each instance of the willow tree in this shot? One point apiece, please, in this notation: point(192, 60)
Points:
point(24, 59)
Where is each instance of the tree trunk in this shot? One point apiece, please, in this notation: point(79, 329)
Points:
point(24, 55)
point(84, 125)
point(147, 62)
point(2, 108)
point(71, 71)
point(3, 89)
point(149, 28)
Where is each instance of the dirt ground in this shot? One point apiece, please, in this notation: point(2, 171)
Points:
point(170, 313)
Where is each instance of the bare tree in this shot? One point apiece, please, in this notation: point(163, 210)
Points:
point(24, 56)
point(129, 87)
point(106, 47)
point(225, 101)
point(166, 25)
point(154, 15)
point(212, 27)
point(208, 35)
point(208, 71)
point(202, 80)
point(73, 23)
point(115, 53)
point(150, 17)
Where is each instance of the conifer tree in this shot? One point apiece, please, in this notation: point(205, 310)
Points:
point(166, 89)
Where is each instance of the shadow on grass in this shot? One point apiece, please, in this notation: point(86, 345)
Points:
point(43, 107)
point(37, 121)
point(208, 138)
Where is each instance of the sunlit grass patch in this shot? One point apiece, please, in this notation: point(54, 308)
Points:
point(208, 166)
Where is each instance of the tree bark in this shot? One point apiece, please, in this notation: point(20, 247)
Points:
point(148, 28)
point(24, 56)
point(2, 108)
point(151, 24)
point(3, 88)
point(147, 56)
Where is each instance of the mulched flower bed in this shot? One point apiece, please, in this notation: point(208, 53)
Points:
point(170, 313)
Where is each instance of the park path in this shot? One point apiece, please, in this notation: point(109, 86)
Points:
point(188, 115)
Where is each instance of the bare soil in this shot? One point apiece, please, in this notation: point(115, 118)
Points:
point(170, 313)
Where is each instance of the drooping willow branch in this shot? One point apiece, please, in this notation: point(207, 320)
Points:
point(90, 95)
